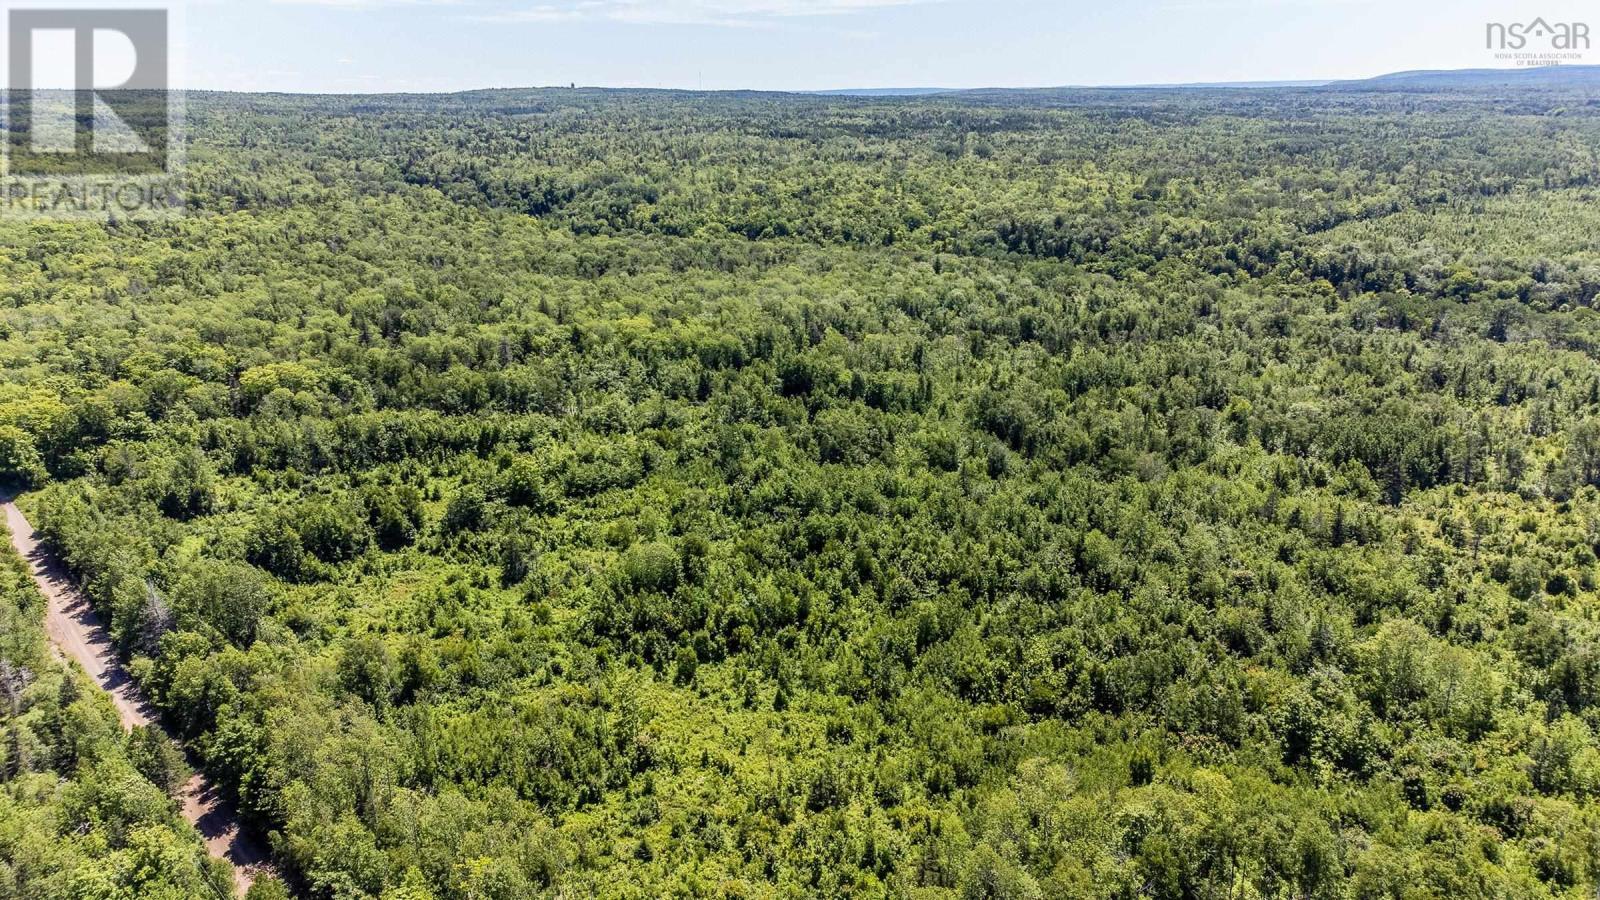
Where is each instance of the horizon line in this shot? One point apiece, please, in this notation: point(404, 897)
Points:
point(896, 91)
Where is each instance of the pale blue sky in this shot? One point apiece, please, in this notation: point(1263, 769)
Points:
point(446, 45)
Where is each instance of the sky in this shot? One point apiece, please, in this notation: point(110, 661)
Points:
point(449, 45)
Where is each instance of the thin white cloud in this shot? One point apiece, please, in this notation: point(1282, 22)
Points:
point(534, 14)
point(725, 13)
point(363, 4)
point(1258, 5)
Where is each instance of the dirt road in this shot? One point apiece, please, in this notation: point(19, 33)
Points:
point(78, 634)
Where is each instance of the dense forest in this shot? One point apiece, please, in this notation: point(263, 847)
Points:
point(1000, 495)
point(85, 810)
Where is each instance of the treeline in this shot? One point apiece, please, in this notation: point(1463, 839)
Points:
point(85, 810)
point(566, 493)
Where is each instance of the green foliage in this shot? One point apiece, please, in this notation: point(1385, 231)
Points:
point(20, 462)
point(1175, 494)
point(155, 757)
point(84, 810)
point(267, 888)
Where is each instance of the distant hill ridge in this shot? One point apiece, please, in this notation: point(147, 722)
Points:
point(1413, 79)
point(1533, 76)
